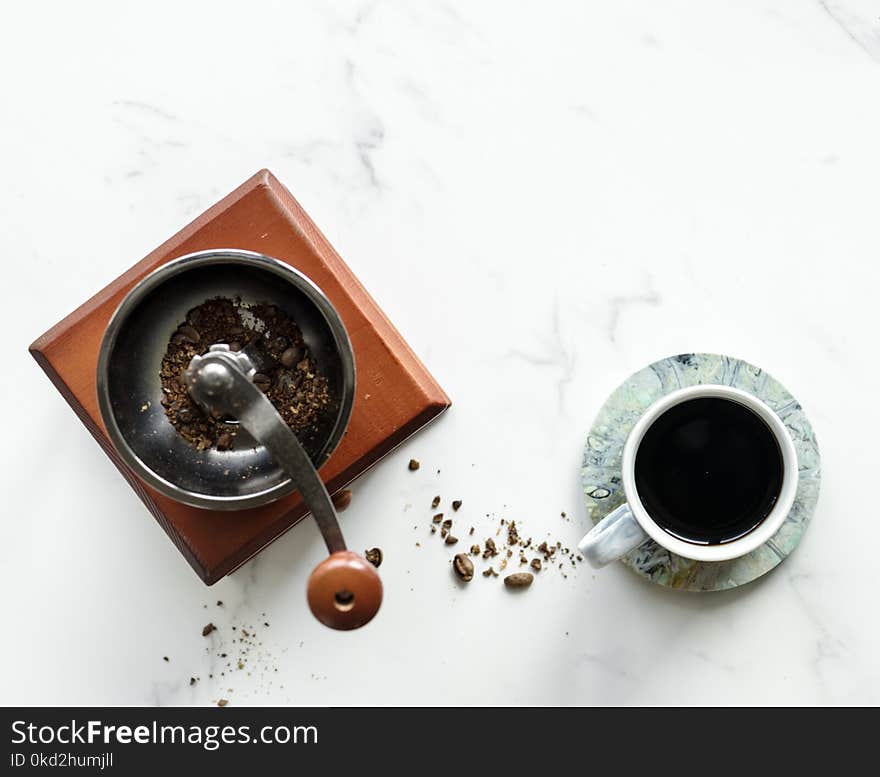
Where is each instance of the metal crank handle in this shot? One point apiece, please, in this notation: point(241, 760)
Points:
point(344, 590)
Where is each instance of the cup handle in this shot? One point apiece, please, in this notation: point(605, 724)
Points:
point(614, 536)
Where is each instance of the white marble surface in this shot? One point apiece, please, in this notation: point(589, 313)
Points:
point(543, 197)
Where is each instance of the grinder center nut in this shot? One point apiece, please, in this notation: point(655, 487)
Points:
point(209, 378)
point(213, 379)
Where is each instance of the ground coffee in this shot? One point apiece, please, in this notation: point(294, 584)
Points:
point(291, 380)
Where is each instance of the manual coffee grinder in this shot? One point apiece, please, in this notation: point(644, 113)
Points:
point(269, 461)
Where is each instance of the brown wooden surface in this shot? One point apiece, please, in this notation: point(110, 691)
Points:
point(394, 397)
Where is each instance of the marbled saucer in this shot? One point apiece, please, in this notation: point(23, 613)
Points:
point(601, 476)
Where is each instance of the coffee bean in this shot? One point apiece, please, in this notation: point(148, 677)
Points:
point(437, 518)
point(262, 382)
point(341, 499)
point(463, 567)
point(189, 333)
point(519, 580)
point(434, 502)
point(224, 441)
point(413, 465)
point(208, 629)
point(374, 556)
point(456, 504)
point(185, 415)
point(450, 540)
point(447, 524)
point(292, 356)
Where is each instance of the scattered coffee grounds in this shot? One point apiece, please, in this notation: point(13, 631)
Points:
point(208, 629)
point(341, 499)
point(291, 380)
point(374, 556)
point(414, 465)
point(463, 567)
point(519, 580)
point(552, 554)
point(240, 651)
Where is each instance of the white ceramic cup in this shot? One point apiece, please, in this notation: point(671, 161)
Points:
point(629, 525)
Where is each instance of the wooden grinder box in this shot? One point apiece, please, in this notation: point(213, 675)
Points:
point(394, 395)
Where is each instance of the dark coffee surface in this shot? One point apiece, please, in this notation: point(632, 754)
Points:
point(708, 470)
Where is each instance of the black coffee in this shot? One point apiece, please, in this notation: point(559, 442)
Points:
point(708, 470)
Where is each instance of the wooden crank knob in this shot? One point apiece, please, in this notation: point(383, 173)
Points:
point(344, 591)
